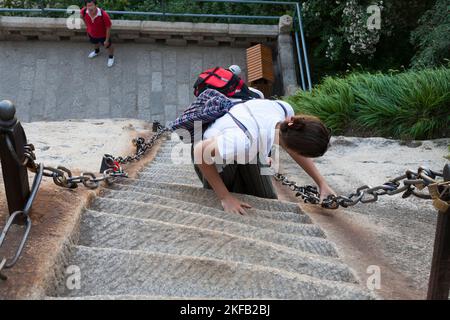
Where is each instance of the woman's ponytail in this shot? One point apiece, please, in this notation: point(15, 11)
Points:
point(305, 135)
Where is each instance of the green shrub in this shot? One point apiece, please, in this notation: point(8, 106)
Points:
point(409, 105)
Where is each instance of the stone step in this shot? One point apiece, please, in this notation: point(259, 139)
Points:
point(168, 148)
point(170, 178)
point(180, 173)
point(164, 167)
point(167, 151)
point(173, 156)
point(125, 297)
point(113, 231)
point(171, 161)
point(314, 245)
point(131, 193)
point(208, 197)
point(161, 167)
point(211, 218)
point(111, 272)
point(164, 208)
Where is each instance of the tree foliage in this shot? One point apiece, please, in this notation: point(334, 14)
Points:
point(432, 37)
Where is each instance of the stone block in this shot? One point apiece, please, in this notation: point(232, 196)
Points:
point(176, 42)
point(208, 43)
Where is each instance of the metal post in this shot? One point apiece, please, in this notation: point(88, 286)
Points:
point(15, 176)
point(305, 53)
point(439, 283)
point(299, 59)
point(163, 9)
point(156, 125)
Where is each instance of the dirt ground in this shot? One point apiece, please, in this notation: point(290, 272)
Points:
point(56, 211)
point(394, 234)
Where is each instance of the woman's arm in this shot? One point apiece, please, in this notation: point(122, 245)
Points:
point(204, 153)
point(310, 168)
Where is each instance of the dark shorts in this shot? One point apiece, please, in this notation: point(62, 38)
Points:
point(99, 40)
point(242, 178)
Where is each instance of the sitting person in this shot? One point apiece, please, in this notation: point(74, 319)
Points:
point(230, 158)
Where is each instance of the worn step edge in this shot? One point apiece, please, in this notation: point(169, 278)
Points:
point(174, 171)
point(170, 178)
point(305, 287)
point(134, 297)
point(315, 246)
point(171, 235)
point(180, 189)
point(145, 195)
point(107, 230)
point(278, 205)
point(153, 211)
point(256, 221)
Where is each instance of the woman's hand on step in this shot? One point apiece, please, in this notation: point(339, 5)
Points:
point(233, 205)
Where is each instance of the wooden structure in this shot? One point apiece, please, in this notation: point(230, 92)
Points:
point(260, 68)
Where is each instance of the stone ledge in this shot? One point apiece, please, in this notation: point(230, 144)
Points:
point(18, 28)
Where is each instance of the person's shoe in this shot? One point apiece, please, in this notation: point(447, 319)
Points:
point(93, 54)
point(110, 62)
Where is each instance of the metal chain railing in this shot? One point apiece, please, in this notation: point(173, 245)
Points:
point(24, 215)
point(63, 177)
point(439, 191)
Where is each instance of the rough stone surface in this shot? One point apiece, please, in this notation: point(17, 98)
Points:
point(286, 64)
point(285, 24)
point(134, 272)
point(162, 235)
point(50, 81)
point(395, 234)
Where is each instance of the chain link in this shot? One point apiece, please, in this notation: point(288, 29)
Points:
point(412, 181)
point(142, 146)
point(63, 177)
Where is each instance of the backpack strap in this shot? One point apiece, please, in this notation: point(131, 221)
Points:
point(284, 108)
point(241, 126)
point(209, 75)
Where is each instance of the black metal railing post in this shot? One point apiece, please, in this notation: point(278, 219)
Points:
point(12, 142)
point(439, 283)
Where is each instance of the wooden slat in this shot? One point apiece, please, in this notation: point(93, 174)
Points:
point(259, 63)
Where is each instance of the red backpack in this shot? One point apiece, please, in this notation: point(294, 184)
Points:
point(220, 79)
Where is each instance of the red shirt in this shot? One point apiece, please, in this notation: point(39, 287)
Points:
point(97, 26)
